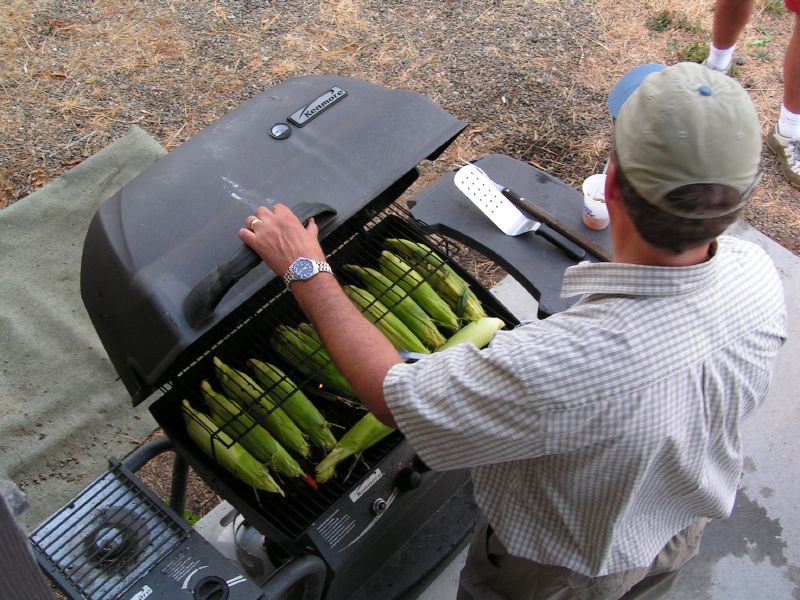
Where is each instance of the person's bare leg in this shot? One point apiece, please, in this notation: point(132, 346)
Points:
point(791, 70)
point(784, 139)
point(730, 18)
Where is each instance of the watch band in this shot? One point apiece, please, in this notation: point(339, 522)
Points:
point(319, 267)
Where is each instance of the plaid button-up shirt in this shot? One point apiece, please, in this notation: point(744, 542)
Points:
point(597, 434)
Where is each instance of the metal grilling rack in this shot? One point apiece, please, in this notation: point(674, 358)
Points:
point(284, 520)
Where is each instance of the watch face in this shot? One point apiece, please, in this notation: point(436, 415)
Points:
point(303, 268)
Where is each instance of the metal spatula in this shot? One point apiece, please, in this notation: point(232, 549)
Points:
point(483, 192)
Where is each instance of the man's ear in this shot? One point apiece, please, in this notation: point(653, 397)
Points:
point(612, 190)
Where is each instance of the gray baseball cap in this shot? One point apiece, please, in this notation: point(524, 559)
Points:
point(681, 125)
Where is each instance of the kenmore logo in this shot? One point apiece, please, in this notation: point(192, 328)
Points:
point(318, 106)
point(142, 593)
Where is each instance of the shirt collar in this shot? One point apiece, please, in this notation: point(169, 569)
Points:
point(638, 280)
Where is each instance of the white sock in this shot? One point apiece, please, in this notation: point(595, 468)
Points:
point(789, 124)
point(720, 59)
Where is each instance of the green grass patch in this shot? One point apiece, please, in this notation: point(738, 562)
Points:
point(774, 6)
point(188, 515)
point(762, 55)
point(694, 52)
point(761, 42)
point(661, 21)
point(669, 19)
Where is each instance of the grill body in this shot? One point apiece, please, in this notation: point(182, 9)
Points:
point(362, 519)
point(355, 147)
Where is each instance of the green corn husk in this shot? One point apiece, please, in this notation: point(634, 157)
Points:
point(479, 333)
point(414, 284)
point(393, 328)
point(241, 387)
point(401, 304)
point(307, 355)
point(229, 455)
point(240, 426)
point(367, 432)
point(442, 277)
point(290, 398)
point(308, 329)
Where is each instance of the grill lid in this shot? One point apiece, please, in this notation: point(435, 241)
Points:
point(332, 140)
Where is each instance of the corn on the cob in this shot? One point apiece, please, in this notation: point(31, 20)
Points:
point(311, 337)
point(367, 432)
point(442, 277)
point(241, 386)
point(307, 355)
point(400, 303)
point(292, 400)
point(241, 427)
point(308, 329)
point(393, 328)
point(225, 452)
point(479, 333)
point(414, 284)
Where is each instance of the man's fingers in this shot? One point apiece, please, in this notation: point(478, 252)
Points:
point(247, 236)
point(312, 227)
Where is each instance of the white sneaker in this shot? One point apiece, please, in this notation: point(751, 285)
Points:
point(788, 152)
point(725, 71)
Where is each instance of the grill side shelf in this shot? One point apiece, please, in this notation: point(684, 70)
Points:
point(534, 262)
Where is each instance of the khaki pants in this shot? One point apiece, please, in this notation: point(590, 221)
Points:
point(490, 573)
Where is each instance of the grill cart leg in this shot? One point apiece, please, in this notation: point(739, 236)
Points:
point(180, 469)
point(310, 568)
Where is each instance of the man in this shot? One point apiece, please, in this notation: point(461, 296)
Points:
point(730, 18)
point(602, 438)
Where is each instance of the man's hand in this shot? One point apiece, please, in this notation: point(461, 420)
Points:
point(360, 351)
point(279, 237)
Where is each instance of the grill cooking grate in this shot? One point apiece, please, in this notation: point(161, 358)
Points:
point(245, 335)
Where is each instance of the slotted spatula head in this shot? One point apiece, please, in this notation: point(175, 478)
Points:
point(483, 193)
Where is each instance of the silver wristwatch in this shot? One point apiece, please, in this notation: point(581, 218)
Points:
point(305, 268)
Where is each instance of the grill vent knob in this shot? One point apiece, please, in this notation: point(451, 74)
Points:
point(408, 478)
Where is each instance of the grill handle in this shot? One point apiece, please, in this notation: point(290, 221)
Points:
point(204, 297)
point(309, 567)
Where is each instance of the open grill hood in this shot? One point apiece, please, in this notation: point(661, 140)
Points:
point(349, 144)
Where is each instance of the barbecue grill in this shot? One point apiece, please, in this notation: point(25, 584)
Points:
point(168, 287)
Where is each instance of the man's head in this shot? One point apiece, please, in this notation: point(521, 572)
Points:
point(687, 144)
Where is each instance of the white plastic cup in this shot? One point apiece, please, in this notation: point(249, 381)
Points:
point(595, 211)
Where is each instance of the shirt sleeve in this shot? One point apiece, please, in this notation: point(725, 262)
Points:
point(467, 407)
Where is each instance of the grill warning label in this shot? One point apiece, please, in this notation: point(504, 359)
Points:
point(336, 527)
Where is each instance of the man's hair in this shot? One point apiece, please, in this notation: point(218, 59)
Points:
point(673, 233)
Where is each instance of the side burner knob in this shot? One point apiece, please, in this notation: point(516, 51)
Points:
point(211, 588)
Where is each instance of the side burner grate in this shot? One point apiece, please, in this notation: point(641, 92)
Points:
point(107, 538)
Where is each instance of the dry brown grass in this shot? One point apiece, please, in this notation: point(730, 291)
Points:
point(774, 206)
point(75, 74)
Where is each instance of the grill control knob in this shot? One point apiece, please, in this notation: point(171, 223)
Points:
point(408, 478)
point(211, 588)
point(379, 505)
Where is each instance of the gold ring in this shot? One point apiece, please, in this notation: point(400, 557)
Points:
point(253, 224)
